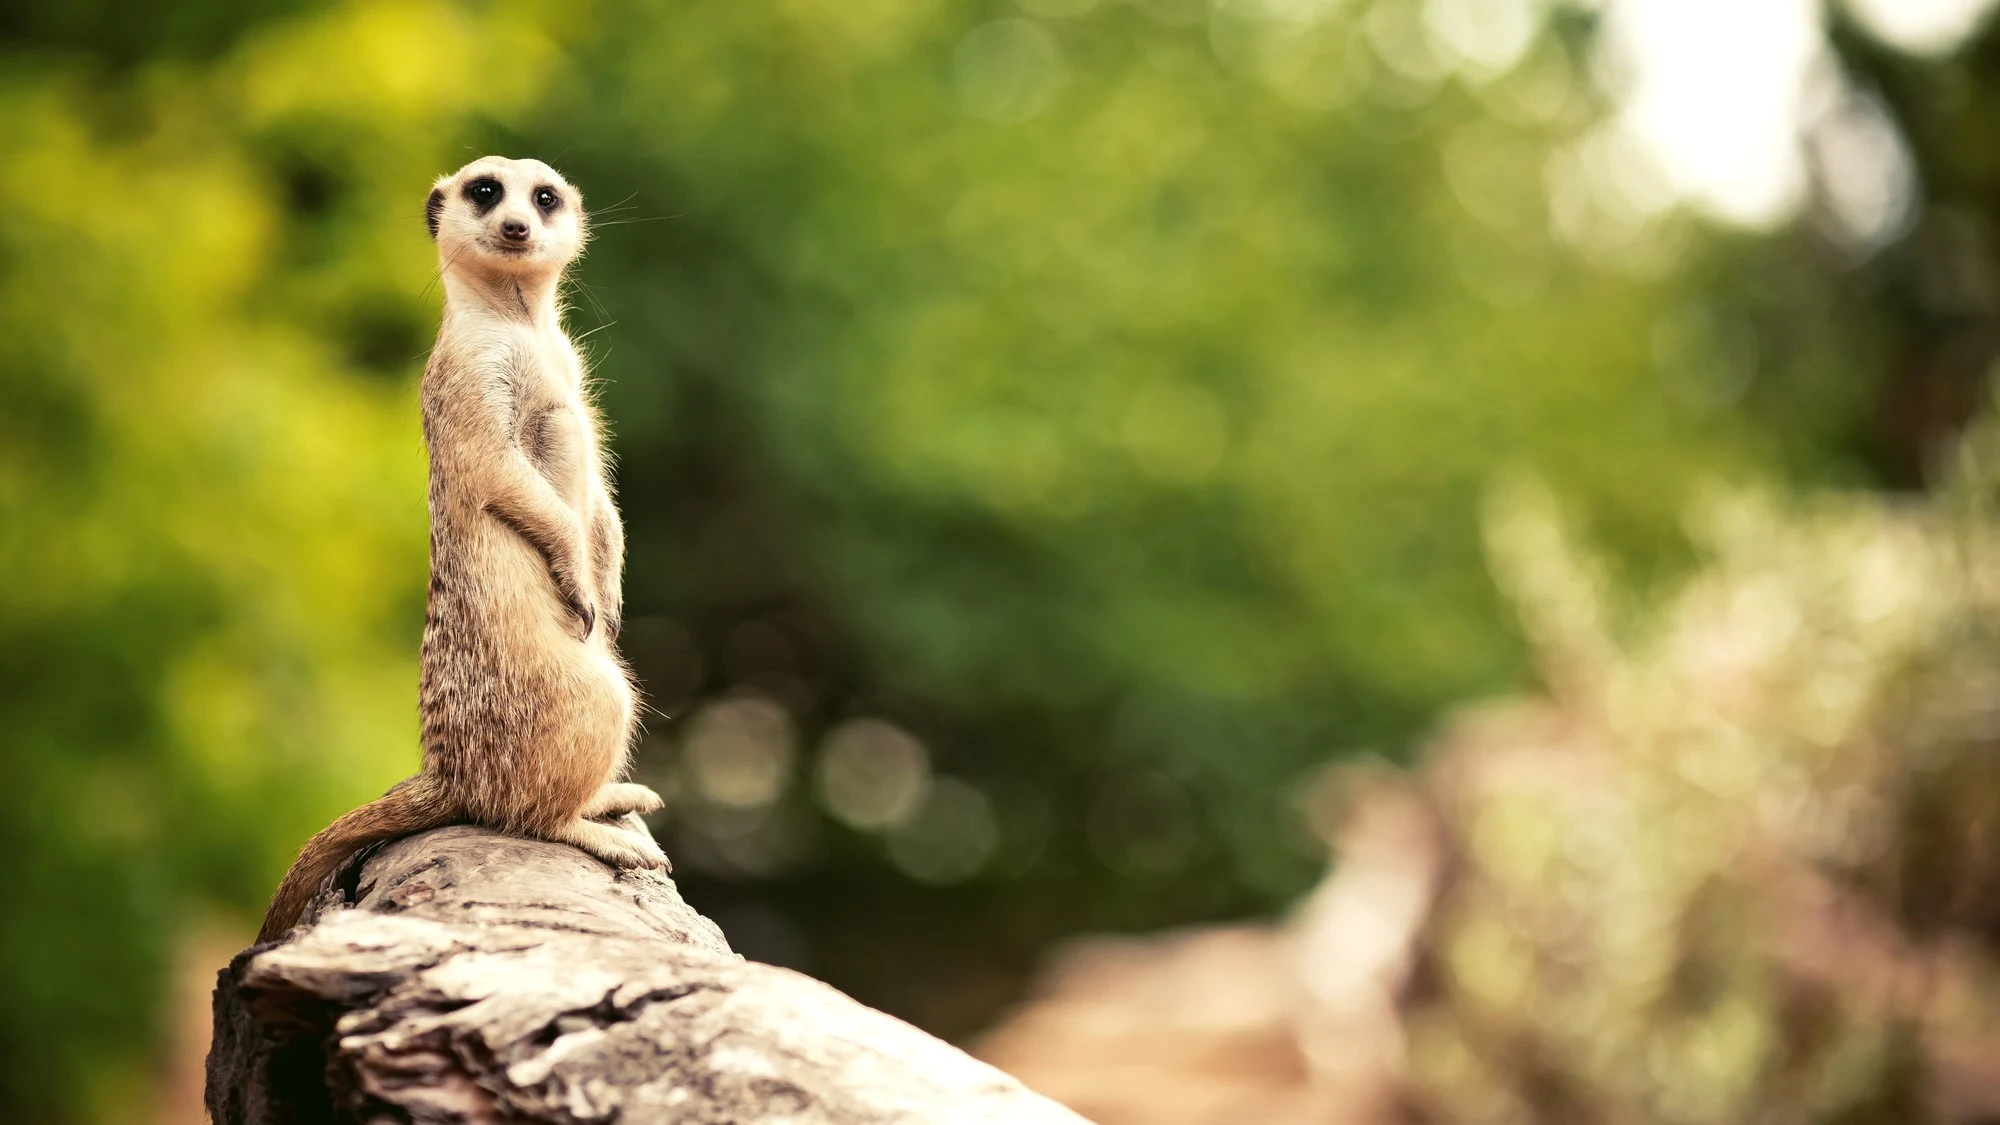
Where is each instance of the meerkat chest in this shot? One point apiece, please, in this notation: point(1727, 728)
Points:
point(553, 422)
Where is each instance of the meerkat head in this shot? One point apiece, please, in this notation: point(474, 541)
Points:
point(506, 216)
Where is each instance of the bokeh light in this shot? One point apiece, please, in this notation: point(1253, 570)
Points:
point(872, 774)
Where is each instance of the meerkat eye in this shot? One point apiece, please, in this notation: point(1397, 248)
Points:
point(547, 199)
point(484, 194)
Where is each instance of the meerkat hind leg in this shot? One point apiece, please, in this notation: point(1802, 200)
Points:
point(616, 798)
point(619, 847)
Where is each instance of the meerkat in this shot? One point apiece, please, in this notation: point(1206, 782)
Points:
point(528, 711)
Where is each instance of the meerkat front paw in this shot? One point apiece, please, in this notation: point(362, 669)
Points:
point(585, 614)
point(617, 798)
point(574, 599)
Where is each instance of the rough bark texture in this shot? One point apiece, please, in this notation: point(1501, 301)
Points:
point(465, 977)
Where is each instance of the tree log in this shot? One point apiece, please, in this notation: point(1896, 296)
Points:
point(465, 977)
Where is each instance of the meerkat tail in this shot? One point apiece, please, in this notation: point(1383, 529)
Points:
point(413, 806)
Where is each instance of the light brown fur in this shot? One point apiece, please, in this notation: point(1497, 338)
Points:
point(528, 712)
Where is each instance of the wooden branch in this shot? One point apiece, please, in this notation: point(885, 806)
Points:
point(469, 978)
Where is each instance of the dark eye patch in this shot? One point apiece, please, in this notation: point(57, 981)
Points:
point(484, 194)
point(548, 199)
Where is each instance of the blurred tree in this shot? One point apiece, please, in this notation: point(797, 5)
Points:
point(210, 522)
point(1106, 398)
point(1936, 290)
point(1093, 398)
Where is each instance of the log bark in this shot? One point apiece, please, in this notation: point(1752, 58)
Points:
point(465, 977)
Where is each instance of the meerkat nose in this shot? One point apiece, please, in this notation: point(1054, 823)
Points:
point(514, 230)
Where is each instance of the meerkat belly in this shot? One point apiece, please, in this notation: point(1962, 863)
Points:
point(550, 709)
point(527, 720)
point(558, 443)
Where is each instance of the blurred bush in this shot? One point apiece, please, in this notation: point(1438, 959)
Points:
point(1737, 865)
point(1742, 868)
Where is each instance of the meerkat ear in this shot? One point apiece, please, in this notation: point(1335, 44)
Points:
point(433, 207)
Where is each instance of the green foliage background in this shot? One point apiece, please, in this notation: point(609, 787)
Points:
point(1104, 393)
